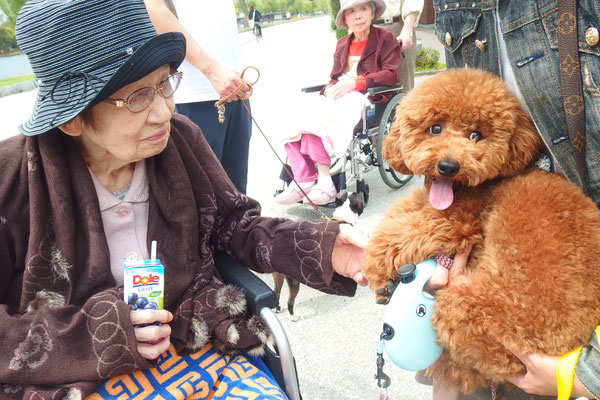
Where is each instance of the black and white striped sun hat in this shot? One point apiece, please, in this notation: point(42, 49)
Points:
point(82, 51)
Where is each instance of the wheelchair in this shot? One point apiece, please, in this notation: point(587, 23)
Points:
point(365, 149)
point(261, 300)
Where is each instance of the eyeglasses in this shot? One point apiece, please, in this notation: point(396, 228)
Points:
point(139, 100)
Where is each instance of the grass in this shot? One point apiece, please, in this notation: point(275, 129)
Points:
point(15, 79)
point(438, 65)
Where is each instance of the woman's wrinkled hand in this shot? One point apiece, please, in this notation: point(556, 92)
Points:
point(341, 88)
point(349, 253)
point(151, 331)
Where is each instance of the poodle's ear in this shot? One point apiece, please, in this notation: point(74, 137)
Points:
point(391, 150)
point(524, 145)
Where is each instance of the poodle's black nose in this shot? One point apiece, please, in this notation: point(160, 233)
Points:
point(448, 168)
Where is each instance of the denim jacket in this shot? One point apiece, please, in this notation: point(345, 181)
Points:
point(530, 31)
point(468, 31)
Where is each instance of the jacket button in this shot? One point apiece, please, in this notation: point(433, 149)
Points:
point(481, 44)
point(123, 212)
point(591, 36)
point(448, 39)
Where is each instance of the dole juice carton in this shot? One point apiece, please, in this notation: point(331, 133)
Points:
point(144, 284)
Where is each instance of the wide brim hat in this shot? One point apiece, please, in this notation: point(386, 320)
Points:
point(346, 4)
point(82, 51)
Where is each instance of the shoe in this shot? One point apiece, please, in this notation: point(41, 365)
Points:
point(321, 196)
point(291, 195)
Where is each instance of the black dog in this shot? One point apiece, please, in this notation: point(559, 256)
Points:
point(293, 287)
point(349, 211)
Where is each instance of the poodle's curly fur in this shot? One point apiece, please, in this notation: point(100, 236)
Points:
point(533, 276)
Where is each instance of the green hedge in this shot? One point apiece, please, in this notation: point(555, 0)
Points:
point(428, 59)
point(334, 8)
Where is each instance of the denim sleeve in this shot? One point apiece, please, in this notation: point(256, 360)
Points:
point(588, 367)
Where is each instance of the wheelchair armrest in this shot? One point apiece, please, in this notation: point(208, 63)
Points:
point(312, 89)
point(370, 91)
point(384, 89)
point(258, 293)
point(260, 301)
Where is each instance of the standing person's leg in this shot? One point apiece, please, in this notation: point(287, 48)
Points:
point(236, 149)
point(204, 114)
point(230, 141)
point(406, 72)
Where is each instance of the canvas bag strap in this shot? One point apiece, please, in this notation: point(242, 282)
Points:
point(571, 84)
point(171, 7)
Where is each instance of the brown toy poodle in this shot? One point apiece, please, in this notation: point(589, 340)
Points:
point(533, 276)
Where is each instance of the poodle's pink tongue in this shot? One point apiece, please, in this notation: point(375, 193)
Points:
point(441, 195)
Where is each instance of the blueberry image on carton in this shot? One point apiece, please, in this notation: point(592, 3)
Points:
point(141, 303)
point(132, 298)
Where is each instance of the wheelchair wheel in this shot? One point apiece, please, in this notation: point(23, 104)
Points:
point(391, 178)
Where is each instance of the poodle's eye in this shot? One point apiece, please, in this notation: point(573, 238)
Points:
point(435, 129)
point(475, 136)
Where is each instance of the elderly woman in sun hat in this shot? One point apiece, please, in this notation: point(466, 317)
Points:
point(367, 57)
point(103, 168)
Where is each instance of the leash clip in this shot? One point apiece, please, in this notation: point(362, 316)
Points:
point(383, 381)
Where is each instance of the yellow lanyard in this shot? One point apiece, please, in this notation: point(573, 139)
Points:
point(565, 371)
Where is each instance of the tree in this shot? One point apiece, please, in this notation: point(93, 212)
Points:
point(240, 6)
point(321, 5)
point(7, 38)
point(269, 6)
point(307, 6)
point(286, 4)
point(11, 8)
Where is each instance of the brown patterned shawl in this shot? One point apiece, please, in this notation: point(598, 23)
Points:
point(63, 324)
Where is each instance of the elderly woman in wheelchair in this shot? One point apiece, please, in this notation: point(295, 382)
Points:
point(104, 167)
point(366, 58)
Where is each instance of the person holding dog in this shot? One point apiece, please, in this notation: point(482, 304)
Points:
point(365, 58)
point(103, 168)
point(517, 41)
